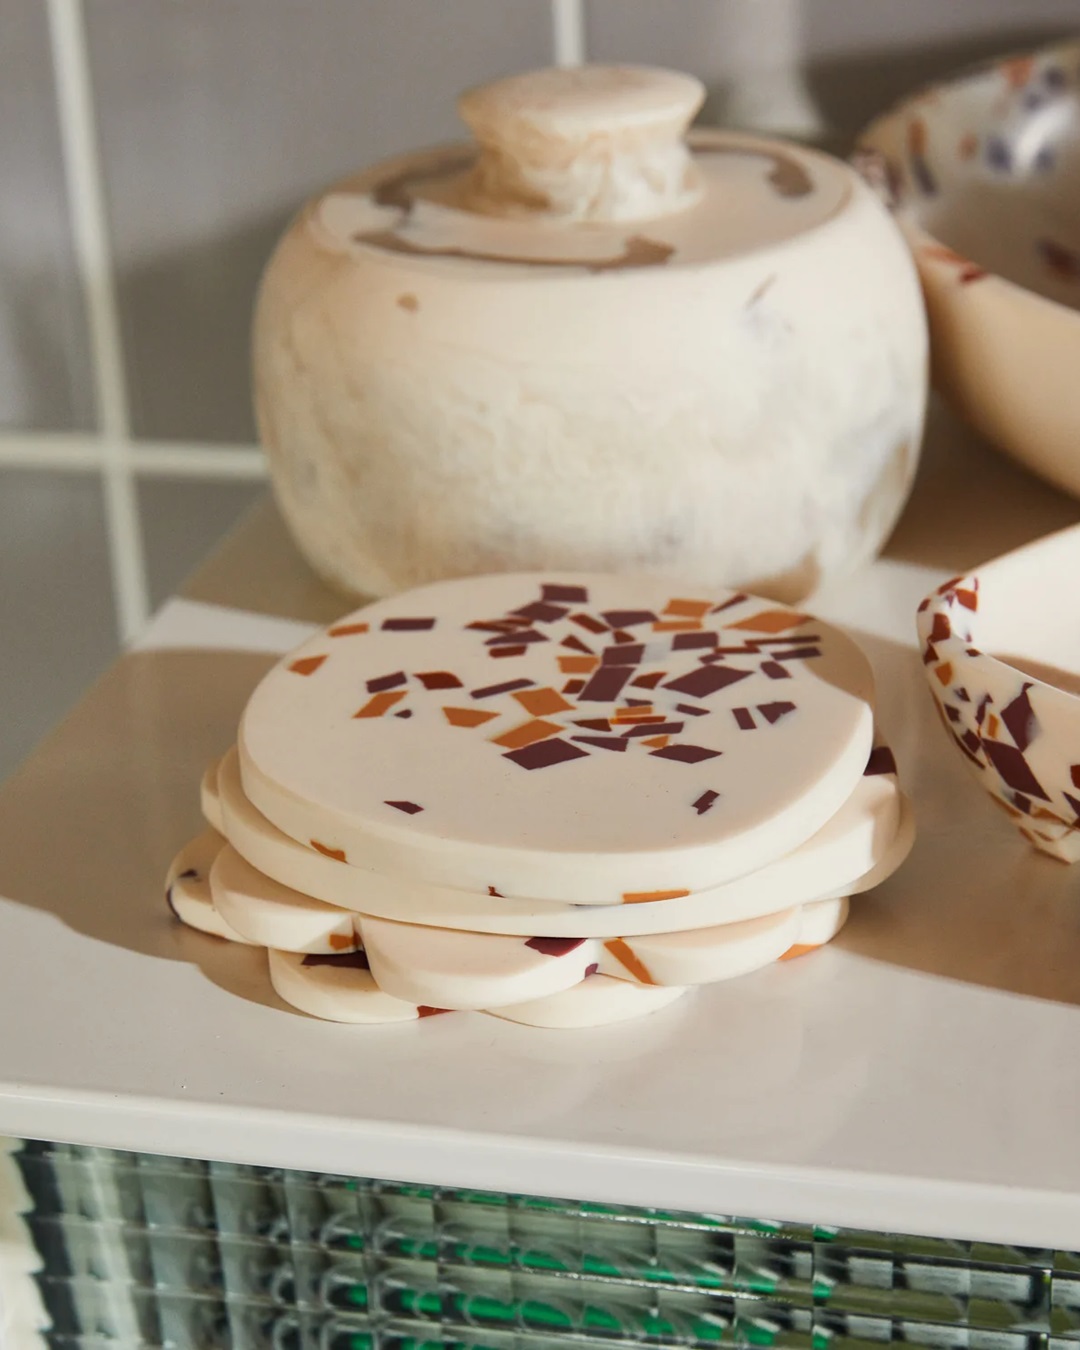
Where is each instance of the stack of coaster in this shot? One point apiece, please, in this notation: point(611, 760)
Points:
point(561, 800)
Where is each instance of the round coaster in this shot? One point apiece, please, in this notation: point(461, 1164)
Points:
point(337, 988)
point(272, 915)
point(819, 923)
point(209, 798)
point(595, 1002)
point(453, 969)
point(856, 849)
point(589, 739)
point(703, 955)
point(187, 887)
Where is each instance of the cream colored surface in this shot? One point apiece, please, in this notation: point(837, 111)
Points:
point(444, 393)
point(595, 1002)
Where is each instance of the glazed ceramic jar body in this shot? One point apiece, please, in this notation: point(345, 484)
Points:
point(441, 398)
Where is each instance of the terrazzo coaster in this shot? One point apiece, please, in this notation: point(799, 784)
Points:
point(336, 989)
point(269, 914)
point(466, 733)
point(210, 798)
point(187, 887)
point(342, 989)
point(856, 849)
point(818, 924)
point(452, 969)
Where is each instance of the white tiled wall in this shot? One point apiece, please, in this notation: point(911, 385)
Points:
point(214, 119)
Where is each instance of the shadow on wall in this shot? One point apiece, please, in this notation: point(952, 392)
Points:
point(45, 380)
point(186, 320)
point(853, 89)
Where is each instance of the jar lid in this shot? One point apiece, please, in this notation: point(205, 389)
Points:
point(589, 167)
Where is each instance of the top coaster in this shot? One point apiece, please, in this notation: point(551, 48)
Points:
point(593, 739)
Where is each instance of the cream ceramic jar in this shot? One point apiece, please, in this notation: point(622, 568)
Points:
point(585, 342)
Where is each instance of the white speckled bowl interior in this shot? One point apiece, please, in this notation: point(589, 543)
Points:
point(1002, 656)
point(984, 171)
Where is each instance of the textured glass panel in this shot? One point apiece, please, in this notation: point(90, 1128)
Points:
point(149, 1251)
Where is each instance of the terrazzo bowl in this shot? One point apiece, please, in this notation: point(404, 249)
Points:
point(1003, 663)
point(984, 174)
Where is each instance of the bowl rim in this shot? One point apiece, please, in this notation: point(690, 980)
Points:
point(955, 645)
point(902, 107)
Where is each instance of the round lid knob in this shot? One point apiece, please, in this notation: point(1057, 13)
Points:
point(590, 143)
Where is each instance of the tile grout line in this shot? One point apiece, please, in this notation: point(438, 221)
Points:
point(81, 453)
point(89, 225)
point(568, 40)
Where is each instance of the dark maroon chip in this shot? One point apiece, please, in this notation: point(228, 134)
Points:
point(497, 894)
point(387, 682)
point(568, 595)
point(803, 639)
point(438, 679)
point(681, 641)
point(775, 670)
point(592, 969)
point(605, 685)
point(649, 681)
point(410, 808)
point(622, 638)
point(1013, 769)
point(539, 612)
point(772, 712)
point(548, 946)
point(654, 729)
point(638, 703)
point(345, 960)
point(1019, 717)
point(735, 600)
point(405, 712)
point(407, 625)
point(543, 754)
point(508, 651)
point(627, 618)
point(706, 680)
point(508, 687)
point(690, 710)
point(705, 801)
point(881, 761)
point(744, 718)
point(589, 623)
point(629, 655)
point(602, 724)
point(797, 654)
point(685, 754)
point(576, 644)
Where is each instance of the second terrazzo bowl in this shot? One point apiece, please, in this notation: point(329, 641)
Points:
point(984, 175)
point(1003, 660)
